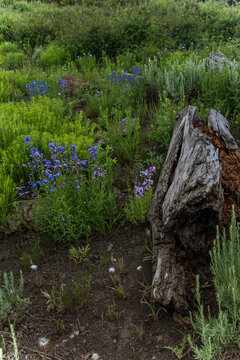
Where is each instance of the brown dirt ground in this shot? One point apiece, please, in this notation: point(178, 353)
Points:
point(115, 340)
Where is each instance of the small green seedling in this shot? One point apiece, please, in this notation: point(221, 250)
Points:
point(112, 313)
point(139, 331)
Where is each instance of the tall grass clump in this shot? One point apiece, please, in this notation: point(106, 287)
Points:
point(221, 334)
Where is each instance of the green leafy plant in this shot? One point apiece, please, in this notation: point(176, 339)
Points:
point(117, 286)
point(178, 349)
point(34, 256)
point(120, 266)
point(163, 121)
point(81, 254)
point(68, 296)
point(139, 331)
point(137, 208)
point(112, 313)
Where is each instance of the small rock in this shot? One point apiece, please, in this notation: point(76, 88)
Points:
point(114, 341)
point(109, 247)
point(127, 122)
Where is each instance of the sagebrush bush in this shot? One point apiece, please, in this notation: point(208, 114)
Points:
point(11, 297)
point(221, 334)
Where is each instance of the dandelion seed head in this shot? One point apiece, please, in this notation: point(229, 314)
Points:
point(33, 267)
point(95, 356)
point(42, 342)
point(111, 270)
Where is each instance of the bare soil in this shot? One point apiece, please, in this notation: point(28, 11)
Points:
point(78, 333)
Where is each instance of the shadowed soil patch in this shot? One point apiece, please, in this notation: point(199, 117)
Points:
point(94, 330)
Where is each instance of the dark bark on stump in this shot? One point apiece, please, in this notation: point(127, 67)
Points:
point(191, 198)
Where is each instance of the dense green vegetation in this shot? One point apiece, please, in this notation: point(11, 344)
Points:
point(141, 60)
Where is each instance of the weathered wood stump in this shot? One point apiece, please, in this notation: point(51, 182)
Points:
point(199, 182)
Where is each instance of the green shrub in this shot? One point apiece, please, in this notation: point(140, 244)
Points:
point(221, 335)
point(225, 267)
point(9, 47)
point(13, 61)
point(93, 27)
point(53, 55)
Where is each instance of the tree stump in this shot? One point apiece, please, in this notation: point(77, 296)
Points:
point(199, 182)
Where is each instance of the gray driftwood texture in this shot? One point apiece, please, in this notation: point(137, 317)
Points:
point(186, 206)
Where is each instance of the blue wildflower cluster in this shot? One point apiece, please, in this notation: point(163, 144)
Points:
point(52, 174)
point(146, 181)
point(36, 89)
point(126, 78)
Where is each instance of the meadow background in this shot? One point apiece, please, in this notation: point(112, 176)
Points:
point(70, 72)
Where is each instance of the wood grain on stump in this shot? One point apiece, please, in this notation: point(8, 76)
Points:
point(198, 184)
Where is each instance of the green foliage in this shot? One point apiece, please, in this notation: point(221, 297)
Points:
point(11, 301)
point(34, 256)
point(7, 91)
point(14, 344)
point(45, 121)
point(64, 299)
point(92, 27)
point(176, 77)
point(112, 313)
point(123, 143)
point(13, 61)
point(53, 55)
point(225, 267)
point(220, 89)
point(9, 47)
point(136, 208)
point(86, 63)
point(139, 331)
point(80, 254)
point(178, 349)
point(7, 196)
point(74, 212)
point(220, 334)
point(163, 122)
